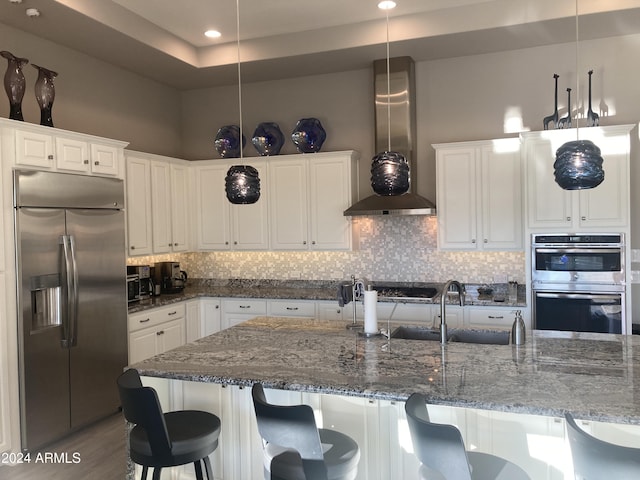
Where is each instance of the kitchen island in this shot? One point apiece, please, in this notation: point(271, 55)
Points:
point(494, 393)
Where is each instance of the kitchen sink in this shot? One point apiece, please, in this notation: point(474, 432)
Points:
point(486, 337)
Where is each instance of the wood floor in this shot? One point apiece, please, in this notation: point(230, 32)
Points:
point(98, 451)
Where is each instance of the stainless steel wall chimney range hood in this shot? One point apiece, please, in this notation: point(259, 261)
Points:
point(402, 113)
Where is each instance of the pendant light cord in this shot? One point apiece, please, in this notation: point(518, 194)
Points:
point(577, 81)
point(239, 76)
point(388, 90)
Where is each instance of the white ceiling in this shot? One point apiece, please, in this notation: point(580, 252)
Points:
point(163, 39)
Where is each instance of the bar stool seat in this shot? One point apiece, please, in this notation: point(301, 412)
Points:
point(165, 440)
point(595, 458)
point(295, 449)
point(440, 448)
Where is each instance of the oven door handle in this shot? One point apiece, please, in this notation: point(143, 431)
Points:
point(580, 296)
point(578, 250)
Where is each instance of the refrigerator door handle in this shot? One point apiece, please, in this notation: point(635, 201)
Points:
point(69, 273)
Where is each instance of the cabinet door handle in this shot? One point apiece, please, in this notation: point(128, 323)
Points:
point(97, 162)
point(496, 318)
point(217, 307)
point(486, 241)
point(226, 243)
point(86, 162)
point(145, 320)
point(161, 332)
point(170, 244)
point(473, 240)
point(313, 242)
point(568, 219)
point(292, 308)
point(584, 218)
point(49, 157)
point(235, 242)
point(304, 242)
point(172, 313)
point(175, 244)
point(133, 247)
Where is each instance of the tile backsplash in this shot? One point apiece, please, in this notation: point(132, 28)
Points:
point(394, 249)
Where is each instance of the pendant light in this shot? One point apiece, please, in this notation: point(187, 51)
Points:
point(242, 183)
point(390, 173)
point(578, 164)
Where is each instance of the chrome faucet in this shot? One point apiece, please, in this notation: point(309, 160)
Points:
point(443, 313)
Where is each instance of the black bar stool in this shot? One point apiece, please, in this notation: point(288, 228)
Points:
point(165, 440)
point(440, 448)
point(294, 447)
point(595, 458)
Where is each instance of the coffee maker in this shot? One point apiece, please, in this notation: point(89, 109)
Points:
point(169, 276)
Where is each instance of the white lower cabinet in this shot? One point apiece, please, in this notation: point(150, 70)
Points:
point(203, 317)
point(329, 310)
point(238, 310)
point(291, 308)
point(156, 331)
point(536, 443)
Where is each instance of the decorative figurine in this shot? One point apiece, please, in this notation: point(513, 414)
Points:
point(554, 116)
point(268, 138)
point(227, 141)
point(14, 84)
point(593, 120)
point(308, 135)
point(565, 122)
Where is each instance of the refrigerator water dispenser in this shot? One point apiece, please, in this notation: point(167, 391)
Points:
point(45, 301)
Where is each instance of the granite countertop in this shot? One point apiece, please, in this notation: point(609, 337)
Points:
point(312, 290)
point(594, 376)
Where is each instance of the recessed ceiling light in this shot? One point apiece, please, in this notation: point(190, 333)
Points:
point(387, 5)
point(212, 34)
point(32, 12)
point(15, 1)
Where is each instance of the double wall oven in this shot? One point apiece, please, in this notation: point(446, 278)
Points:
point(578, 282)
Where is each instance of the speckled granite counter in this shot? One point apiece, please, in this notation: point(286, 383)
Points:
point(595, 376)
point(308, 290)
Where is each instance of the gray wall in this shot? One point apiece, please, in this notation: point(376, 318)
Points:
point(466, 98)
point(97, 98)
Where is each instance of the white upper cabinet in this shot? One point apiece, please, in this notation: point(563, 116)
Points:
point(169, 200)
point(49, 148)
point(157, 204)
point(221, 225)
point(603, 207)
point(308, 195)
point(139, 237)
point(479, 195)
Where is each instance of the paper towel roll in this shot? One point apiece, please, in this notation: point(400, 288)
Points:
point(370, 311)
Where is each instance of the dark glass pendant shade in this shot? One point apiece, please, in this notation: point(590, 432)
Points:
point(390, 174)
point(242, 184)
point(227, 141)
point(578, 165)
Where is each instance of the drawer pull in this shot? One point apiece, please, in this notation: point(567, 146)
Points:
point(496, 318)
point(145, 320)
point(175, 312)
point(292, 308)
point(244, 306)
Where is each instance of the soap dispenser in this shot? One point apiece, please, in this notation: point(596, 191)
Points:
point(518, 330)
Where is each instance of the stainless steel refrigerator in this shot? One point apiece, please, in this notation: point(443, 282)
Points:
point(72, 308)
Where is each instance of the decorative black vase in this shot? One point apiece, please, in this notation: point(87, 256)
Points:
point(227, 141)
point(578, 165)
point(45, 94)
point(390, 174)
point(308, 135)
point(268, 138)
point(14, 84)
point(242, 184)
